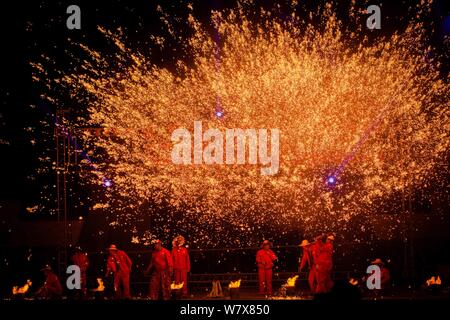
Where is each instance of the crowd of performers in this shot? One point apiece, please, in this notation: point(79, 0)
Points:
point(167, 266)
point(317, 257)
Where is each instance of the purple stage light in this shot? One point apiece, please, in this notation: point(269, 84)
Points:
point(331, 181)
point(107, 183)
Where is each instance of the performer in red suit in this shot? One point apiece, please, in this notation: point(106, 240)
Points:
point(160, 269)
point(120, 265)
point(181, 263)
point(52, 288)
point(264, 259)
point(385, 274)
point(308, 262)
point(80, 259)
point(323, 259)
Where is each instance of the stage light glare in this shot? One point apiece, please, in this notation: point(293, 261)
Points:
point(107, 183)
point(331, 181)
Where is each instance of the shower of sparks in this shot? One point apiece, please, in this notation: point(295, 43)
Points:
point(375, 113)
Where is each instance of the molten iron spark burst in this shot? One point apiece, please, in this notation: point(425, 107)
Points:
point(373, 115)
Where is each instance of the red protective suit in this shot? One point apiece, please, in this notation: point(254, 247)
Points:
point(323, 259)
point(308, 262)
point(181, 267)
point(264, 260)
point(81, 260)
point(385, 277)
point(161, 268)
point(52, 287)
point(120, 265)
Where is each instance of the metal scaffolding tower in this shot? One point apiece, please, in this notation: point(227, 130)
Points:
point(66, 156)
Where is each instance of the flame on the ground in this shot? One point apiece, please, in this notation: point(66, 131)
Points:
point(101, 286)
point(23, 289)
point(174, 286)
point(235, 284)
point(291, 281)
point(353, 282)
point(434, 281)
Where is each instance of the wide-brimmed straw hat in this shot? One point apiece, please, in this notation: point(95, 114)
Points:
point(156, 241)
point(378, 261)
point(266, 242)
point(304, 243)
point(179, 240)
point(112, 247)
point(47, 267)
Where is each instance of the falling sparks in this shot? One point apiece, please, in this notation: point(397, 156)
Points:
point(360, 122)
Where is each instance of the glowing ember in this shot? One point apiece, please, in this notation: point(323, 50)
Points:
point(100, 287)
point(22, 290)
point(434, 281)
point(234, 284)
point(370, 115)
point(174, 286)
point(291, 281)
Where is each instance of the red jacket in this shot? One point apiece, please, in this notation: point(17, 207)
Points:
point(323, 253)
point(180, 257)
point(52, 284)
point(80, 259)
point(119, 262)
point(265, 259)
point(162, 260)
point(385, 278)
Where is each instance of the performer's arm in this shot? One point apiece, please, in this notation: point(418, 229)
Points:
point(304, 260)
point(273, 255)
point(150, 266)
point(169, 261)
point(110, 265)
point(259, 259)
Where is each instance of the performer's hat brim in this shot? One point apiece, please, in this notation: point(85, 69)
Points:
point(378, 261)
point(113, 247)
point(180, 240)
point(46, 268)
point(266, 242)
point(304, 243)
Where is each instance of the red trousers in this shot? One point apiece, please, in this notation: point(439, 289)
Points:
point(122, 285)
point(160, 283)
point(265, 281)
point(83, 289)
point(181, 276)
point(312, 281)
point(323, 278)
